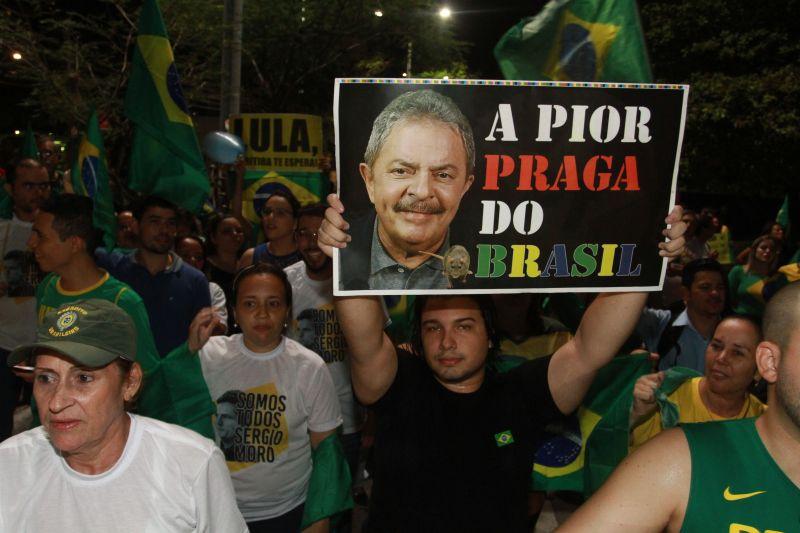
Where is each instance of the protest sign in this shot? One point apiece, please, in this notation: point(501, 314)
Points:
point(569, 189)
point(280, 141)
point(283, 152)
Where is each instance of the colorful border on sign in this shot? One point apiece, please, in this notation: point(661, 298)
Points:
point(516, 83)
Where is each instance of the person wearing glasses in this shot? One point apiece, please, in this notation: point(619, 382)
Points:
point(50, 156)
point(314, 319)
point(29, 187)
point(278, 220)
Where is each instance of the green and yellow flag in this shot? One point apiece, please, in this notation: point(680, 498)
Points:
point(577, 40)
point(90, 178)
point(165, 158)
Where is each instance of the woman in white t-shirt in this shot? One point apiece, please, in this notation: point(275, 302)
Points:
point(275, 400)
point(91, 466)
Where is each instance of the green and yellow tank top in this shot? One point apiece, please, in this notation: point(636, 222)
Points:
point(736, 485)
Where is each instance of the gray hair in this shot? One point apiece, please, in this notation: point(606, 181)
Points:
point(416, 105)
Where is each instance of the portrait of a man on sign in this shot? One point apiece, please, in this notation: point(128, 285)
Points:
point(418, 165)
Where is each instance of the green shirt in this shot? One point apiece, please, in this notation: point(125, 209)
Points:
point(174, 389)
point(736, 485)
point(745, 289)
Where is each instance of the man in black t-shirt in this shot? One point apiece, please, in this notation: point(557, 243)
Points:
point(454, 443)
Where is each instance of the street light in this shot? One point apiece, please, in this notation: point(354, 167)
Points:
point(16, 56)
point(378, 13)
point(444, 14)
point(17, 132)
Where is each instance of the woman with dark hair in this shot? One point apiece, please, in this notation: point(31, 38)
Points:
point(775, 230)
point(223, 248)
point(285, 405)
point(278, 220)
point(746, 282)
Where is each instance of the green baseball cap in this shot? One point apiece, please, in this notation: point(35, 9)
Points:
point(90, 332)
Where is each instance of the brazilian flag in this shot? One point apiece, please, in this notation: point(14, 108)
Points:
point(90, 178)
point(583, 453)
point(307, 187)
point(577, 40)
point(165, 158)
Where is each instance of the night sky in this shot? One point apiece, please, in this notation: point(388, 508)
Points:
point(481, 23)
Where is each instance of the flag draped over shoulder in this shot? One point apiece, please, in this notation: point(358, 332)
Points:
point(329, 487)
point(165, 158)
point(582, 457)
point(578, 40)
point(90, 178)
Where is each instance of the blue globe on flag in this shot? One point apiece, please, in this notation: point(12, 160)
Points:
point(174, 88)
point(578, 54)
point(89, 174)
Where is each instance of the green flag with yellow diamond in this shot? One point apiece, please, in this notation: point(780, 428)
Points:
point(165, 158)
point(90, 178)
point(577, 40)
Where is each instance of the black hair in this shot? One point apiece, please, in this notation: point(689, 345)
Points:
point(152, 201)
point(283, 192)
point(211, 228)
point(753, 320)
point(767, 228)
point(488, 313)
point(691, 269)
point(18, 163)
point(263, 268)
point(72, 217)
point(231, 396)
point(306, 314)
point(314, 210)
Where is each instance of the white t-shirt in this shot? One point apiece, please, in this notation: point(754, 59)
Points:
point(315, 326)
point(19, 271)
point(266, 405)
point(167, 479)
point(218, 302)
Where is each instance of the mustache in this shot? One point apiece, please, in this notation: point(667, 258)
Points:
point(409, 205)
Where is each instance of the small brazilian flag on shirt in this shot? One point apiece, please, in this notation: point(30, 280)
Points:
point(165, 157)
point(90, 178)
point(578, 40)
point(504, 438)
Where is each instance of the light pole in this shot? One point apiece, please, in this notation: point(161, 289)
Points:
point(444, 13)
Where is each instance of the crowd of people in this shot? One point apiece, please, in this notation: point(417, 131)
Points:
point(201, 376)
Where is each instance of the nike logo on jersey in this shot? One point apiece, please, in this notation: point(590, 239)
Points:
point(731, 497)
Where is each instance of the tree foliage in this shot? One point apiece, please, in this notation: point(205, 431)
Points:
point(742, 60)
point(78, 56)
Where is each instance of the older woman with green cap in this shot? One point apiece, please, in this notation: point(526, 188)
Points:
point(92, 466)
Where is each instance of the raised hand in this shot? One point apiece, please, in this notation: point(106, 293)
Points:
point(332, 233)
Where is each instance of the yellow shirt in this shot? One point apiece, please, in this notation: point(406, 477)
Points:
point(692, 409)
point(536, 346)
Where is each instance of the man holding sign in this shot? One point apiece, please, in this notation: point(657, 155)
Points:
point(455, 442)
point(418, 164)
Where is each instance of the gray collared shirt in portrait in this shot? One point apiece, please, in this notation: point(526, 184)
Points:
point(386, 273)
